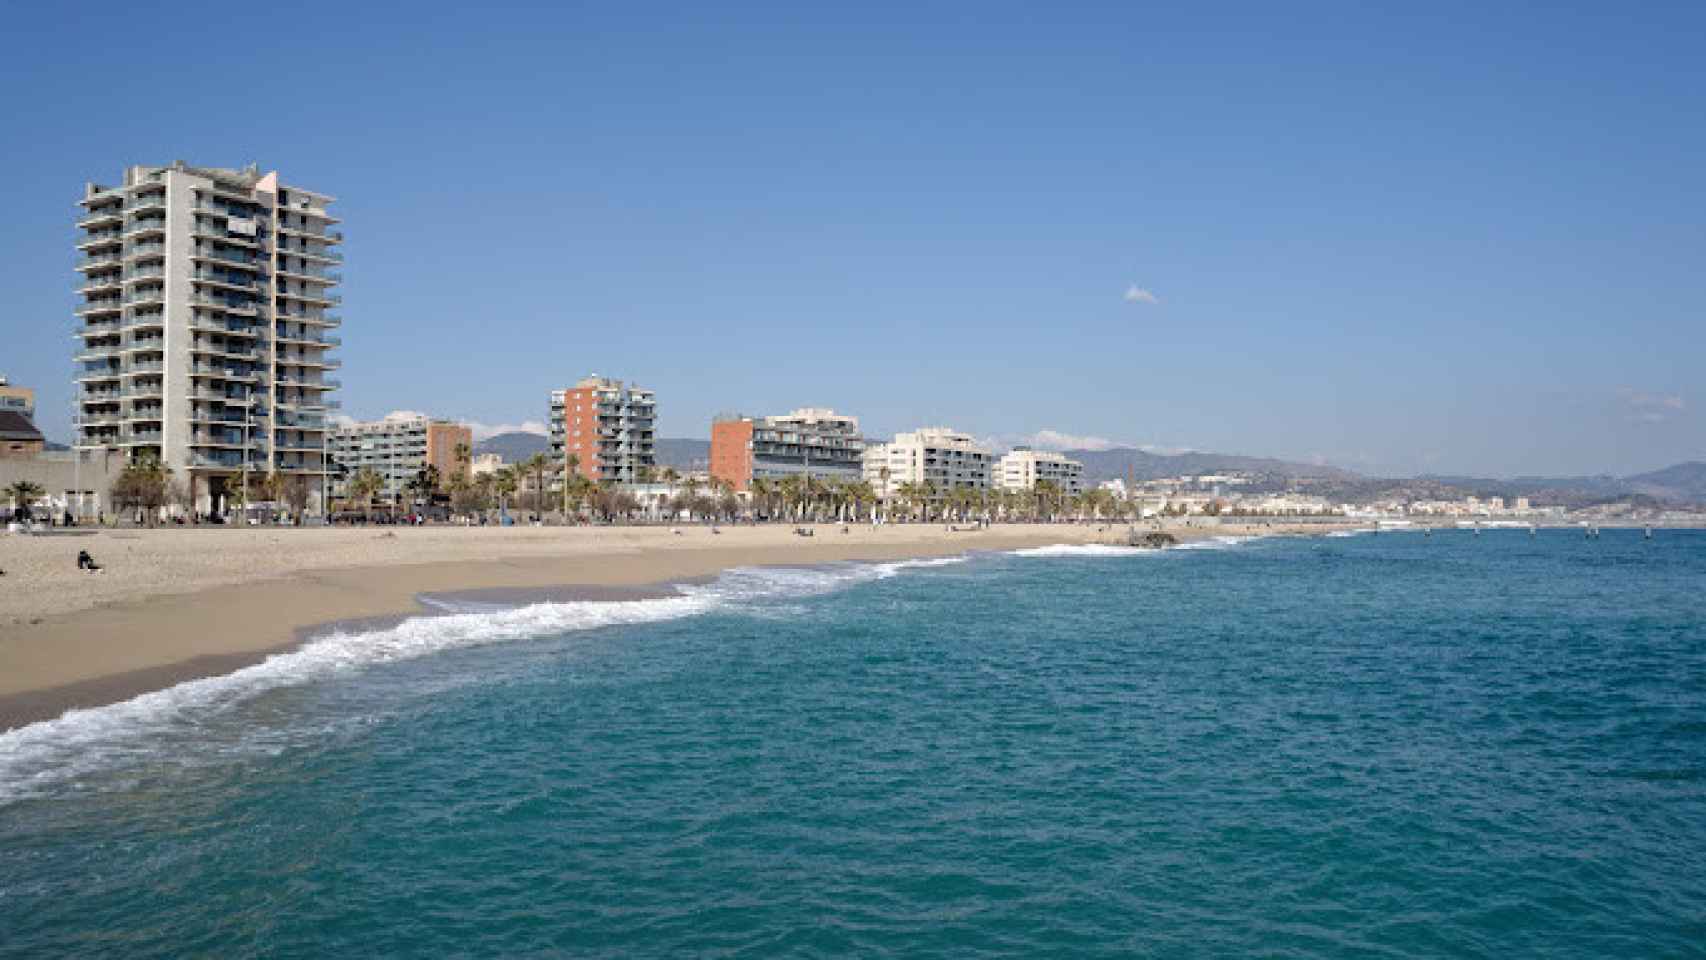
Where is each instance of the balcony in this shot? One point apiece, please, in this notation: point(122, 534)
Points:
point(143, 391)
point(302, 250)
point(143, 225)
point(222, 371)
point(232, 280)
point(136, 250)
point(143, 344)
point(103, 216)
point(144, 297)
point(285, 336)
point(144, 273)
point(229, 304)
point(242, 261)
point(108, 281)
point(141, 436)
point(100, 239)
point(229, 351)
point(102, 305)
point(90, 261)
point(228, 327)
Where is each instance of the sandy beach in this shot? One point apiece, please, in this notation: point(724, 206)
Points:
point(175, 604)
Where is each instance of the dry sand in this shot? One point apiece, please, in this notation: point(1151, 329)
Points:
point(175, 604)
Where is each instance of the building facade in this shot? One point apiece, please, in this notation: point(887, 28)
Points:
point(18, 400)
point(1021, 468)
point(810, 441)
point(939, 456)
point(205, 313)
point(397, 448)
point(607, 427)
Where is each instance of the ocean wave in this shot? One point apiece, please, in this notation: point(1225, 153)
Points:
point(1083, 550)
point(1214, 543)
point(56, 751)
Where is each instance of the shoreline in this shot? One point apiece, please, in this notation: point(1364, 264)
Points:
point(99, 652)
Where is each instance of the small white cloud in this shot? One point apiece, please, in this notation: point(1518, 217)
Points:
point(1136, 294)
point(1056, 440)
point(1643, 407)
point(485, 431)
point(406, 415)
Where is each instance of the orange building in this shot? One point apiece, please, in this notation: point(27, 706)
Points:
point(731, 452)
point(810, 441)
point(608, 429)
point(442, 439)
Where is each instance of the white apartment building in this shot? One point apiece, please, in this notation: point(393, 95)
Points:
point(397, 448)
point(203, 319)
point(1021, 468)
point(939, 456)
point(607, 427)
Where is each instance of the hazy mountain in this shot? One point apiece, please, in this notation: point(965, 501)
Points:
point(514, 447)
point(1684, 481)
point(684, 454)
point(1114, 464)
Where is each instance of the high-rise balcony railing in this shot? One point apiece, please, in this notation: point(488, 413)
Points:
point(100, 305)
point(97, 328)
point(136, 250)
point(146, 225)
point(91, 261)
point(239, 280)
point(109, 214)
point(228, 327)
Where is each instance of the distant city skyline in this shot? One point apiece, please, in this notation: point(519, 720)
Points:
point(1451, 240)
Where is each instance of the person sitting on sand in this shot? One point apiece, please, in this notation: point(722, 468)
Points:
point(86, 562)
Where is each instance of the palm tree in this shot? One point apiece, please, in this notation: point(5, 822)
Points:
point(23, 494)
point(505, 483)
point(364, 486)
point(536, 465)
point(763, 491)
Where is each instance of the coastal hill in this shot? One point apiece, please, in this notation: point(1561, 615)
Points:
point(1142, 465)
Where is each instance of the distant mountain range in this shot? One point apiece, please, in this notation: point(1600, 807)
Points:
point(1684, 483)
point(1120, 462)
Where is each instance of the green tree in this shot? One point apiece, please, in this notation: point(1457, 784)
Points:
point(24, 493)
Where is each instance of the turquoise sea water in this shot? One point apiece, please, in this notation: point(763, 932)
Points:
point(1385, 745)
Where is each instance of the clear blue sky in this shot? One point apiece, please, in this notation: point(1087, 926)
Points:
point(1451, 239)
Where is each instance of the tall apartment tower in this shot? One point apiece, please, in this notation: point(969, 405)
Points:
point(205, 323)
point(608, 427)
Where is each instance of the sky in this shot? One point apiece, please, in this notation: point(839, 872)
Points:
point(1447, 239)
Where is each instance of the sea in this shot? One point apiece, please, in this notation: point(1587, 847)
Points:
point(1374, 745)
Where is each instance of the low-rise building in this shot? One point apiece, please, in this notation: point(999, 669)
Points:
point(19, 438)
point(941, 457)
point(17, 399)
point(485, 463)
point(810, 441)
point(1022, 468)
point(397, 448)
point(607, 427)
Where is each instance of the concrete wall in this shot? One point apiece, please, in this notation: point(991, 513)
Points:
point(62, 477)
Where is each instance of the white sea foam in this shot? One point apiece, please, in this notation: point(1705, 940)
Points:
point(1213, 543)
point(1084, 550)
point(56, 751)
